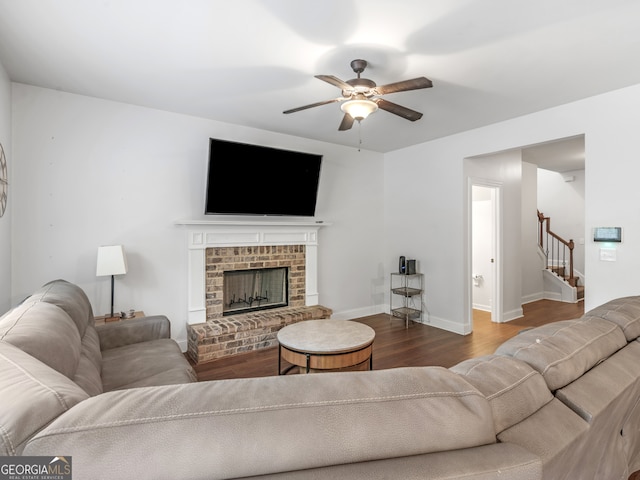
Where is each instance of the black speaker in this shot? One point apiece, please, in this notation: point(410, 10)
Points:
point(411, 267)
point(402, 265)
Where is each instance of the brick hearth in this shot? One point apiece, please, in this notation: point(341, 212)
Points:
point(236, 334)
point(222, 335)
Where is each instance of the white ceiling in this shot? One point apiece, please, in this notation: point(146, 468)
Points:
point(564, 155)
point(245, 61)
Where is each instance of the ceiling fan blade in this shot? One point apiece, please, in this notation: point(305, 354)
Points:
point(413, 84)
point(335, 81)
point(399, 110)
point(347, 122)
point(317, 104)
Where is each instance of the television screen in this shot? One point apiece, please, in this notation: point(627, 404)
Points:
point(246, 179)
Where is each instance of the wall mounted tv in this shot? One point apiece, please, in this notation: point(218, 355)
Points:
point(246, 179)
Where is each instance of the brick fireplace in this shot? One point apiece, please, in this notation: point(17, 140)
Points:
point(220, 260)
point(216, 247)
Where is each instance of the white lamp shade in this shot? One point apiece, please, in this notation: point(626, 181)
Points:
point(359, 109)
point(111, 261)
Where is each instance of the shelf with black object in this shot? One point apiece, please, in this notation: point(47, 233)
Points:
point(406, 296)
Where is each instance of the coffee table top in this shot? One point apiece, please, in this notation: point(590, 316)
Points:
point(326, 336)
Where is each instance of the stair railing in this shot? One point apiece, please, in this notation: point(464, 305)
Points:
point(556, 249)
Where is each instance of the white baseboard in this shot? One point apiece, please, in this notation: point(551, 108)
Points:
point(533, 297)
point(484, 308)
point(556, 296)
point(447, 325)
point(512, 315)
point(427, 319)
point(359, 312)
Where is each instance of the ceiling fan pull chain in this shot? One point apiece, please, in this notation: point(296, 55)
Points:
point(359, 134)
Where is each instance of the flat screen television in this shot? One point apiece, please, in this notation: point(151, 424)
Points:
point(246, 179)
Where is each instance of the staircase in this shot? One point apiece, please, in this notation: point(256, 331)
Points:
point(561, 272)
point(558, 261)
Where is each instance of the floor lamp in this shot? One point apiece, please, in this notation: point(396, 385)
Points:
point(111, 261)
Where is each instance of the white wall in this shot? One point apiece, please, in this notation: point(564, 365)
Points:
point(532, 260)
point(88, 172)
point(564, 202)
point(435, 227)
point(91, 172)
point(423, 221)
point(5, 221)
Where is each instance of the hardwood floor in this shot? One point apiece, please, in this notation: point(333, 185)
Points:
point(419, 345)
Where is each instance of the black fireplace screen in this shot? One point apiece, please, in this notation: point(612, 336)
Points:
point(257, 289)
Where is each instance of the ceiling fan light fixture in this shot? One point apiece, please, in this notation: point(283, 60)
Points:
point(359, 109)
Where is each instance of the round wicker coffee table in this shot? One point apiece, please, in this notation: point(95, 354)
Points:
point(325, 345)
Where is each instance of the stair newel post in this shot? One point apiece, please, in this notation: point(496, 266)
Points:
point(571, 245)
point(540, 235)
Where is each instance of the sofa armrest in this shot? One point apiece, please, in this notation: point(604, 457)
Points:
point(137, 330)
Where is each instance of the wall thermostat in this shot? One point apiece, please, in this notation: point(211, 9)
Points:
point(607, 234)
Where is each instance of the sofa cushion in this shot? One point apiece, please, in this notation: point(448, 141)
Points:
point(88, 374)
point(156, 362)
point(514, 389)
point(68, 297)
point(46, 332)
point(72, 299)
point(625, 312)
point(557, 435)
point(33, 395)
point(563, 351)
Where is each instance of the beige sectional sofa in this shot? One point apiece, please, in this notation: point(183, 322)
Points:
point(555, 402)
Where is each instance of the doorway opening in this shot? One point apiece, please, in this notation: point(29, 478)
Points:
point(485, 278)
point(515, 174)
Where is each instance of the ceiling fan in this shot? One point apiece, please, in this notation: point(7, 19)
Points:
point(363, 96)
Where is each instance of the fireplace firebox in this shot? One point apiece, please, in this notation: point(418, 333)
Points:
point(256, 289)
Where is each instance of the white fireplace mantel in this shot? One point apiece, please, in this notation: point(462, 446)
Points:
point(205, 233)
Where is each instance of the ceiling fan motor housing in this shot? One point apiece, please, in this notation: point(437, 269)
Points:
point(360, 85)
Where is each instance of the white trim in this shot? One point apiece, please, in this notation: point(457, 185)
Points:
point(360, 312)
point(512, 315)
point(449, 325)
point(251, 222)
